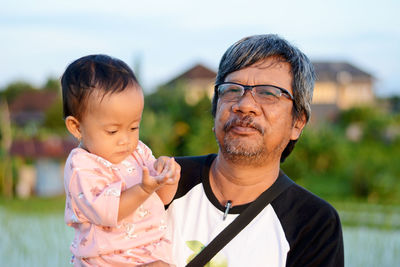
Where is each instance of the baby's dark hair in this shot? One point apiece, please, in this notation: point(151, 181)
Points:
point(94, 72)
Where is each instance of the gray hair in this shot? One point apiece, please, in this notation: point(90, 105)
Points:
point(253, 49)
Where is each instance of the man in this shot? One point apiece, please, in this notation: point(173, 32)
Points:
point(261, 104)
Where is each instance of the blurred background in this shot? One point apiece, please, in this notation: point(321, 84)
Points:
point(349, 153)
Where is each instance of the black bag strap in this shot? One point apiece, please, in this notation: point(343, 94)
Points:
point(223, 238)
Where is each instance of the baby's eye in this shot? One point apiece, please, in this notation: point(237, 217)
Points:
point(134, 129)
point(111, 132)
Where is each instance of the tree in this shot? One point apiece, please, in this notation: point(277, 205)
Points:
point(6, 179)
point(171, 126)
point(52, 84)
point(14, 89)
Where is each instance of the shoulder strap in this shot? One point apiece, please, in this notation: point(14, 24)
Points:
point(223, 238)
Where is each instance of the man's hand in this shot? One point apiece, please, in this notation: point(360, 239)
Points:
point(168, 173)
point(167, 167)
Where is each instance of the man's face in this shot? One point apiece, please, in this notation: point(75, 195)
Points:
point(249, 132)
point(110, 125)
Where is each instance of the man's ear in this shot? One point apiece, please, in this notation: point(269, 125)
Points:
point(73, 126)
point(298, 127)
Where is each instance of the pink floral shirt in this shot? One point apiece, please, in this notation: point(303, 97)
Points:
point(93, 187)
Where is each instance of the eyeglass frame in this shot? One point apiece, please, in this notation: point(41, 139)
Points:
point(250, 88)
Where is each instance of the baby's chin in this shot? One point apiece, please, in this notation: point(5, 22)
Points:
point(118, 157)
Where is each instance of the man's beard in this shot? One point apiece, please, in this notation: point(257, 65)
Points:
point(244, 150)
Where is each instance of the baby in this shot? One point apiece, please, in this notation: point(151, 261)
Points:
point(115, 188)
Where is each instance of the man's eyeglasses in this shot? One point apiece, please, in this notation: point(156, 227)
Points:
point(263, 94)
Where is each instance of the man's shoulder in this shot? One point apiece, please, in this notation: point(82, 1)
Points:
point(297, 199)
point(311, 225)
point(195, 165)
point(196, 161)
point(193, 170)
point(300, 210)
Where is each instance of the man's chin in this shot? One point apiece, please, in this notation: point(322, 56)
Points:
point(249, 154)
point(244, 158)
point(245, 146)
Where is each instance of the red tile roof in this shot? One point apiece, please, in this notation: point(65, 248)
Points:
point(50, 148)
point(198, 71)
point(331, 71)
point(37, 100)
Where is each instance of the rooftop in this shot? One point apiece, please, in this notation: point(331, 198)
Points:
point(325, 70)
point(340, 72)
point(49, 148)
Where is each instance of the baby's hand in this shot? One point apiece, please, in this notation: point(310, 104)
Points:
point(168, 170)
point(168, 173)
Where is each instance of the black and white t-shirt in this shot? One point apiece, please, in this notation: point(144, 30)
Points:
point(296, 229)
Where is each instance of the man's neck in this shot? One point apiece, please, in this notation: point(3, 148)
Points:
point(241, 184)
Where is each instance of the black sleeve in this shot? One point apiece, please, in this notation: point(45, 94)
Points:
point(193, 169)
point(321, 245)
point(313, 229)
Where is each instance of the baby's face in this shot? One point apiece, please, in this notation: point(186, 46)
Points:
point(110, 125)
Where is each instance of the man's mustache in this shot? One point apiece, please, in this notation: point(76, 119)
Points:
point(242, 122)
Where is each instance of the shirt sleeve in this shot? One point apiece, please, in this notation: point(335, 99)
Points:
point(320, 245)
point(95, 192)
point(147, 157)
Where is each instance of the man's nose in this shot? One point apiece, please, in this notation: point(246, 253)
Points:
point(247, 104)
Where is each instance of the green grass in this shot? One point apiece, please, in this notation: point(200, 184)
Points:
point(34, 205)
point(386, 217)
point(34, 239)
point(371, 247)
point(38, 237)
point(352, 213)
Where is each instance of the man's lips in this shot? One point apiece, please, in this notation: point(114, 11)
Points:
point(244, 125)
point(243, 129)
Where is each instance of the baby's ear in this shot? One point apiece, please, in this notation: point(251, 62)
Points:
point(73, 126)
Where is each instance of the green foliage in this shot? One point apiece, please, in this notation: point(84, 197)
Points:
point(54, 118)
point(52, 84)
point(54, 114)
point(359, 114)
point(34, 205)
point(330, 164)
point(327, 159)
point(319, 160)
point(14, 89)
point(170, 126)
point(53, 122)
point(394, 103)
point(373, 121)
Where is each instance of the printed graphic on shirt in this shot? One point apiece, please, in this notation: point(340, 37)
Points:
point(218, 260)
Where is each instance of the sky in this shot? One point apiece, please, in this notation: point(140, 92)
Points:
point(161, 39)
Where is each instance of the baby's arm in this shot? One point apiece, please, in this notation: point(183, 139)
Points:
point(134, 196)
point(173, 170)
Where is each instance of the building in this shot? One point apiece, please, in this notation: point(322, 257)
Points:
point(199, 81)
point(30, 106)
point(339, 85)
point(40, 171)
point(44, 176)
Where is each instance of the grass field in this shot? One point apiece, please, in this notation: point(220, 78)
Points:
point(34, 234)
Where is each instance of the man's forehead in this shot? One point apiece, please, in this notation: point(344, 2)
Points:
point(273, 62)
